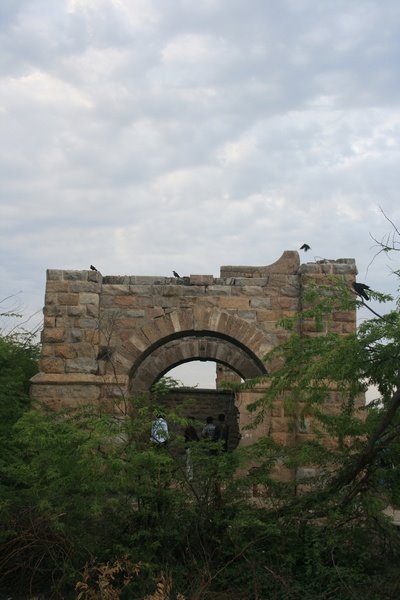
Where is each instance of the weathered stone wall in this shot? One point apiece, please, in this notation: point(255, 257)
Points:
point(200, 404)
point(106, 337)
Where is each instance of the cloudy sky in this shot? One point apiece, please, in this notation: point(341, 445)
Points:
point(149, 135)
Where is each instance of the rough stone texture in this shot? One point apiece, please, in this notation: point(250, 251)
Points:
point(203, 403)
point(151, 324)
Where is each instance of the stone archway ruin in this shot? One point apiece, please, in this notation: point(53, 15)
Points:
point(203, 346)
point(109, 336)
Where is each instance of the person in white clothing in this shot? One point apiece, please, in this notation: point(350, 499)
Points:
point(159, 431)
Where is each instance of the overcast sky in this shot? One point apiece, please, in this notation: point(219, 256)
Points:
point(148, 135)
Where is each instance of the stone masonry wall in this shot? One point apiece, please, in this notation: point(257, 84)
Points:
point(106, 337)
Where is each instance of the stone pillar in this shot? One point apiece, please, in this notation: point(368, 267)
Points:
point(70, 338)
point(324, 274)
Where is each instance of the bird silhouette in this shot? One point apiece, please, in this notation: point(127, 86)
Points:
point(360, 288)
point(305, 247)
point(92, 268)
point(175, 274)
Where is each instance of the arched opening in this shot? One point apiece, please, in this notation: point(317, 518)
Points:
point(186, 346)
point(230, 360)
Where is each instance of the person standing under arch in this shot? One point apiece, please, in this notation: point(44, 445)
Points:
point(222, 432)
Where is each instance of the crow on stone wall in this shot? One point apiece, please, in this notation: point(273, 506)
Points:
point(175, 274)
point(360, 288)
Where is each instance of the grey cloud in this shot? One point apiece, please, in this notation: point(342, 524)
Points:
point(188, 136)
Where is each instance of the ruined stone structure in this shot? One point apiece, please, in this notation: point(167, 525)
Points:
point(106, 337)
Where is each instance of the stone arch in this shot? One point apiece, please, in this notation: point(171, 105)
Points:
point(198, 333)
point(186, 346)
point(233, 318)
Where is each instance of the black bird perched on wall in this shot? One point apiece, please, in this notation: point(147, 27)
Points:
point(305, 247)
point(92, 268)
point(175, 274)
point(360, 288)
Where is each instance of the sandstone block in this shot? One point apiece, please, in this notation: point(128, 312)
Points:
point(194, 290)
point(88, 323)
point(57, 396)
point(234, 302)
point(201, 279)
point(260, 303)
point(277, 410)
point(147, 302)
point(309, 268)
point(281, 437)
point(88, 298)
point(74, 334)
point(287, 303)
point(52, 365)
point(91, 336)
point(249, 315)
point(80, 365)
point(343, 316)
point(54, 275)
point(55, 334)
point(92, 310)
point(141, 290)
point(49, 321)
point(84, 349)
point(208, 300)
point(280, 424)
point(344, 269)
point(54, 310)
point(71, 299)
point(149, 280)
point(348, 327)
point(94, 276)
point(290, 290)
point(117, 289)
point(65, 351)
point(50, 298)
point(268, 315)
point(153, 313)
point(53, 287)
point(165, 302)
point(133, 313)
point(90, 287)
point(219, 290)
point(75, 275)
point(76, 311)
point(125, 301)
point(168, 290)
point(259, 282)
